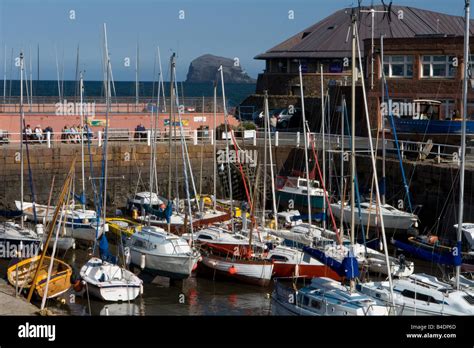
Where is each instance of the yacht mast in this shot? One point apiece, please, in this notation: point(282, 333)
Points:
point(272, 175)
point(221, 70)
point(463, 137)
point(214, 147)
point(22, 164)
point(353, 110)
point(81, 91)
point(323, 121)
point(383, 122)
point(305, 136)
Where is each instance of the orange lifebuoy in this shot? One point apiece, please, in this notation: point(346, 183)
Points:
point(433, 239)
point(232, 270)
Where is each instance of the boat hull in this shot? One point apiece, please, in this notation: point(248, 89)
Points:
point(114, 292)
point(300, 201)
point(284, 270)
point(391, 222)
point(250, 272)
point(174, 267)
point(440, 131)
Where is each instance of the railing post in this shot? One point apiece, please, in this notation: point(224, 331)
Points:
point(439, 154)
point(195, 137)
point(308, 135)
point(211, 135)
point(276, 138)
point(255, 138)
point(148, 137)
point(297, 139)
point(99, 138)
point(48, 139)
point(402, 147)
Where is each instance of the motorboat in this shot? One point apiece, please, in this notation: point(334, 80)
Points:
point(110, 282)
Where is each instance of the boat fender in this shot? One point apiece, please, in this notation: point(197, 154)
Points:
point(142, 261)
point(194, 267)
point(106, 227)
point(141, 289)
point(127, 254)
point(232, 270)
point(135, 213)
point(74, 245)
point(39, 229)
point(78, 286)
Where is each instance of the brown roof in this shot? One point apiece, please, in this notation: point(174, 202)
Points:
point(330, 36)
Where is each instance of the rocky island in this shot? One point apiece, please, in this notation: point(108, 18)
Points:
point(204, 69)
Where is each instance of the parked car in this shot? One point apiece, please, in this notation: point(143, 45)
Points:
point(287, 119)
point(258, 116)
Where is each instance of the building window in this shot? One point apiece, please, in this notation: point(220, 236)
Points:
point(438, 66)
point(398, 66)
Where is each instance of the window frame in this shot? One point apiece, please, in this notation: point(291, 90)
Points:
point(448, 66)
point(408, 59)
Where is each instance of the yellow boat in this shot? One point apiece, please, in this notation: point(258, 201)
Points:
point(123, 227)
point(23, 272)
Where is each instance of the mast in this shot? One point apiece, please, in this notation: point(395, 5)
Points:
point(172, 64)
point(38, 65)
point(57, 73)
point(5, 77)
point(343, 190)
point(267, 115)
point(463, 137)
point(323, 120)
point(353, 157)
point(305, 136)
point(22, 117)
point(266, 131)
point(81, 91)
point(136, 78)
point(221, 70)
point(161, 80)
point(31, 81)
point(107, 103)
point(383, 123)
point(215, 147)
point(374, 169)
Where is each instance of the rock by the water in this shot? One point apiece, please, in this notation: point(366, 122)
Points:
point(204, 69)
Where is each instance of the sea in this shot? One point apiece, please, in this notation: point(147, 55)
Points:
point(235, 92)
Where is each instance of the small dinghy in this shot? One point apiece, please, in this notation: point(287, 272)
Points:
point(21, 274)
point(110, 282)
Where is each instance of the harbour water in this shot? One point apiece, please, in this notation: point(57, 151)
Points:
point(193, 296)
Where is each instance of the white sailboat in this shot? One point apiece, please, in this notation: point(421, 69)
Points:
point(105, 280)
point(110, 282)
point(322, 297)
point(422, 294)
point(159, 252)
point(393, 218)
point(12, 234)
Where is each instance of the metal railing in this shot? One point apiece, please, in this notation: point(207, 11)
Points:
point(440, 153)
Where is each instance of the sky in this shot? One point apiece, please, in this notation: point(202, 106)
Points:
point(230, 28)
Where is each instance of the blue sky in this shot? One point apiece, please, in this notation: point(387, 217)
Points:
point(229, 28)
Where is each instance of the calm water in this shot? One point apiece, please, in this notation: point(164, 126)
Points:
point(235, 92)
point(201, 297)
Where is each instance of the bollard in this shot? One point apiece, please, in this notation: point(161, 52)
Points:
point(48, 139)
point(254, 138)
point(276, 138)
